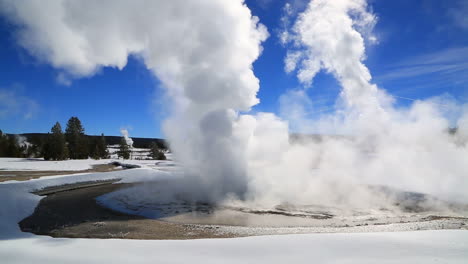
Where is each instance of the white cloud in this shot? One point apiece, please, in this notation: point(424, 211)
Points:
point(14, 104)
point(293, 7)
point(201, 50)
point(405, 147)
point(304, 114)
point(315, 41)
point(177, 40)
point(290, 10)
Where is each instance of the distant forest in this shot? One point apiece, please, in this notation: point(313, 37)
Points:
point(72, 143)
point(38, 138)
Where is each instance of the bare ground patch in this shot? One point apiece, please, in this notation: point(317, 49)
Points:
point(75, 213)
point(29, 175)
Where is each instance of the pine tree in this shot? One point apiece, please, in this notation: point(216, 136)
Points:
point(99, 148)
point(13, 149)
point(102, 148)
point(33, 151)
point(46, 148)
point(94, 153)
point(9, 147)
point(55, 148)
point(124, 150)
point(76, 138)
point(156, 153)
point(3, 144)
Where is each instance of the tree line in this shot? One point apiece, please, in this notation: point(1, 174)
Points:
point(72, 143)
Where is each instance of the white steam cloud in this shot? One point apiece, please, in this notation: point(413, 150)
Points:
point(405, 148)
point(125, 134)
point(202, 51)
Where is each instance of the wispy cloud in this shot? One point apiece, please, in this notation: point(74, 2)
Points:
point(14, 104)
point(450, 65)
point(459, 14)
point(290, 10)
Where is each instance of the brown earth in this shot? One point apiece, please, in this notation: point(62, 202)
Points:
point(75, 214)
point(28, 175)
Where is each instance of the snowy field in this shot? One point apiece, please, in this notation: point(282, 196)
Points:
point(408, 247)
point(447, 246)
point(23, 164)
point(135, 153)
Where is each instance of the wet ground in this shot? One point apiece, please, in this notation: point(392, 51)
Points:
point(311, 216)
point(72, 211)
point(75, 213)
point(167, 202)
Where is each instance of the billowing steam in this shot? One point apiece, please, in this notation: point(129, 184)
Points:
point(202, 51)
point(125, 134)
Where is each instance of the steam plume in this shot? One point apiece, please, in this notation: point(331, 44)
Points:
point(126, 136)
point(202, 51)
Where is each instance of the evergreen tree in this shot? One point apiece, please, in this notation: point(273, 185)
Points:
point(99, 149)
point(102, 147)
point(55, 148)
point(124, 150)
point(46, 148)
point(94, 150)
point(156, 153)
point(3, 144)
point(9, 147)
point(76, 138)
point(33, 151)
point(13, 149)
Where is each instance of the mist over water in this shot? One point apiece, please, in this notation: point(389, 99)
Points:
point(203, 51)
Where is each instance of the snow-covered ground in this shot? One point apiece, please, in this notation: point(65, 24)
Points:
point(135, 153)
point(17, 202)
point(167, 165)
point(407, 247)
point(22, 164)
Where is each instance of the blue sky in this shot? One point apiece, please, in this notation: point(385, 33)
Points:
point(422, 51)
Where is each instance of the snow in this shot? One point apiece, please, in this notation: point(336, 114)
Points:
point(404, 247)
point(135, 153)
point(17, 201)
point(22, 164)
point(447, 246)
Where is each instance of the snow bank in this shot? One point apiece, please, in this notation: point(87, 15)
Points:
point(406, 247)
point(20, 164)
point(17, 202)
